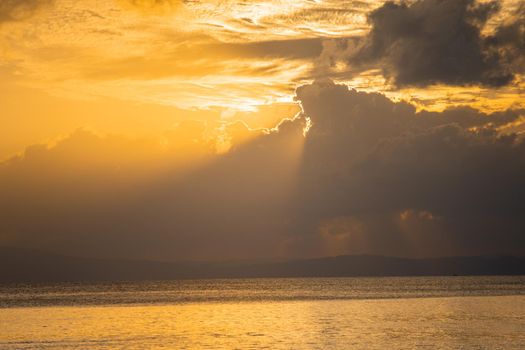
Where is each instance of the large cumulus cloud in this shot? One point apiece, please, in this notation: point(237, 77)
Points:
point(377, 175)
point(370, 176)
point(441, 41)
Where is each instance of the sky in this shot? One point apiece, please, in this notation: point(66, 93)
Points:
point(234, 129)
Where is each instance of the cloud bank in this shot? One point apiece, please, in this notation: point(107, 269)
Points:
point(370, 176)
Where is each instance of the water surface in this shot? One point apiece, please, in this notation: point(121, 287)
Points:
point(333, 313)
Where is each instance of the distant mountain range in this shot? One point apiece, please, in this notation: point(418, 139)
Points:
point(21, 265)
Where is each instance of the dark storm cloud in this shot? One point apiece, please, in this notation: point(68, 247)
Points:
point(371, 176)
point(13, 10)
point(439, 41)
point(469, 183)
point(393, 178)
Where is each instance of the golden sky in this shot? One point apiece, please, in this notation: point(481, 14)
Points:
point(162, 110)
point(136, 67)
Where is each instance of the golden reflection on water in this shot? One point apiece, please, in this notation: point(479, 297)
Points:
point(443, 323)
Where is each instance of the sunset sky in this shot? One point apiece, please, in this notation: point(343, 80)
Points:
point(236, 129)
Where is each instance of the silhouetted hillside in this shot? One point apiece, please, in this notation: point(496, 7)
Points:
point(20, 265)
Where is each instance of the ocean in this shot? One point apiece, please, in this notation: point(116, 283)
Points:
point(298, 313)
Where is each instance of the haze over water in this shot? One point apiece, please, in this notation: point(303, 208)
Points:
point(314, 313)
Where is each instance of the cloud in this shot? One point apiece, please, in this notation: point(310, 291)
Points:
point(92, 194)
point(509, 38)
point(368, 160)
point(439, 42)
point(15, 10)
point(370, 176)
point(291, 49)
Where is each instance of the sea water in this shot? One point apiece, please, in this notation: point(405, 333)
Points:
point(310, 313)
